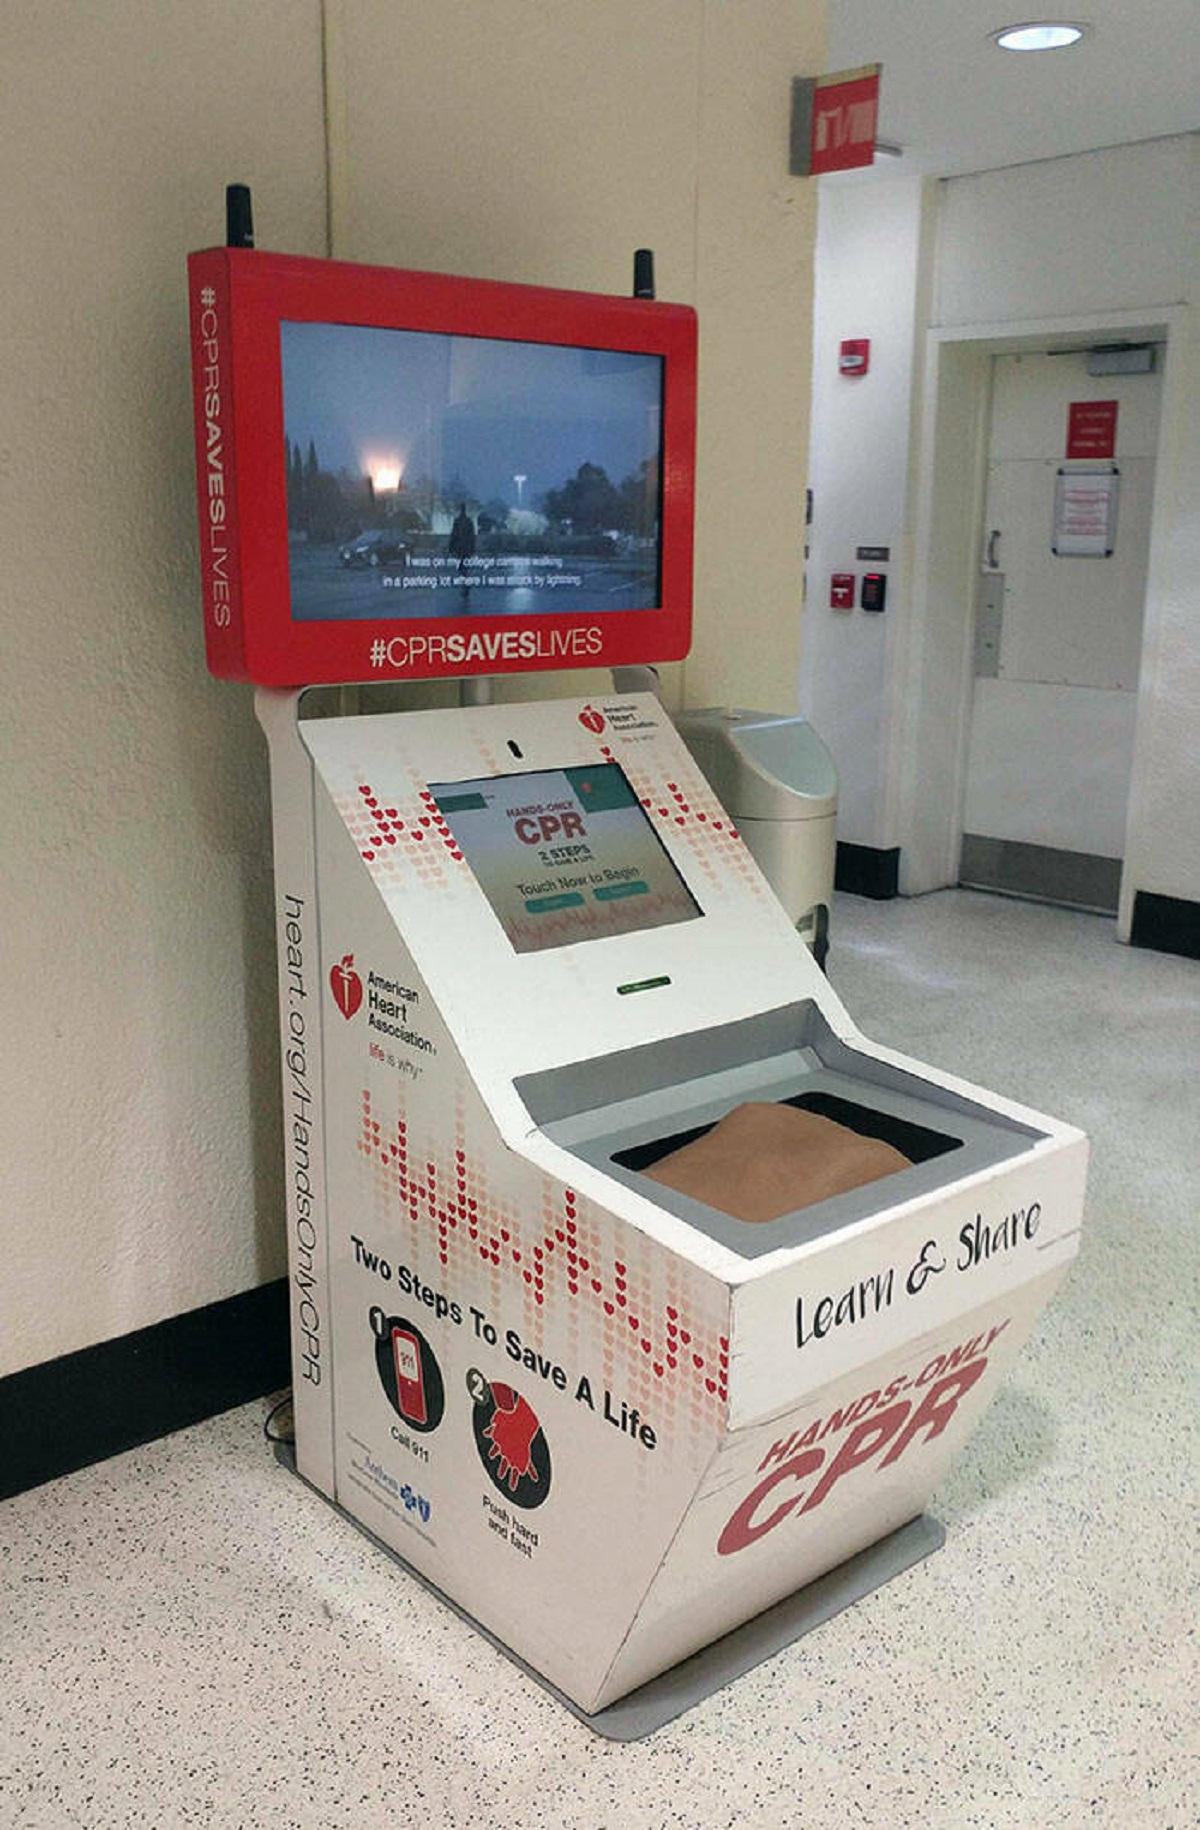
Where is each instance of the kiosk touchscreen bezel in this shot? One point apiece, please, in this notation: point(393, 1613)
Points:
point(577, 862)
point(241, 300)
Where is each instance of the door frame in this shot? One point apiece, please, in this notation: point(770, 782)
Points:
point(927, 717)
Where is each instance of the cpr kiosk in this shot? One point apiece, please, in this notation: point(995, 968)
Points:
point(528, 968)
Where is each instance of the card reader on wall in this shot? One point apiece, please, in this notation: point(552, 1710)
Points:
point(874, 590)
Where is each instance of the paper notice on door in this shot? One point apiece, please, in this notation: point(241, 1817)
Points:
point(1085, 513)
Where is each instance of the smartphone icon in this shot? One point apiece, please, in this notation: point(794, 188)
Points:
point(410, 1387)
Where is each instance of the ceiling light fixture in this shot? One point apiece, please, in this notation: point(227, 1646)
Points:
point(1044, 35)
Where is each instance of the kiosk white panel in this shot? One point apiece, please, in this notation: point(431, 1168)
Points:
point(607, 1418)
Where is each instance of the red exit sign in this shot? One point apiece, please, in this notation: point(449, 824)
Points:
point(1092, 429)
point(833, 121)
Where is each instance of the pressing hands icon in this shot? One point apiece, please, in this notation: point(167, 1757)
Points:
point(510, 1434)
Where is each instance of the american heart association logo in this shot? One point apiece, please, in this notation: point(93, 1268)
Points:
point(591, 719)
point(346, 986)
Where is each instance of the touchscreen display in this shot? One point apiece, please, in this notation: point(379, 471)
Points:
point(564, 855)
point(431, 474)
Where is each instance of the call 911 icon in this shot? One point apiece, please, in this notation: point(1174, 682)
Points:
point(509, 1438)
point(408, 1371)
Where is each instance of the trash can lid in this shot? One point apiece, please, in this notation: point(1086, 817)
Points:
point(762, 765)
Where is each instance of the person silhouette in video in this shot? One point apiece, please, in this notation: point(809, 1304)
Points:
point(462, 543)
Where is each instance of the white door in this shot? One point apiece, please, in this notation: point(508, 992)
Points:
point(1058, 634)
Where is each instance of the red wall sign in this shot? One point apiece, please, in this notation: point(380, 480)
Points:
point(1092, 429)
point(833, 121)
point(844, 115)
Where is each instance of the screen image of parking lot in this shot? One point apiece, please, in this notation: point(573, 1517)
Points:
point(432, 475)
point(564, 855)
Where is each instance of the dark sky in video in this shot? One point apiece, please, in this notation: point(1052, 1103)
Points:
point(468, 409)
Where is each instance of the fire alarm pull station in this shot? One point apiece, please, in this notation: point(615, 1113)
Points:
point(854, 356)
point(874, 590)
point(841, 591)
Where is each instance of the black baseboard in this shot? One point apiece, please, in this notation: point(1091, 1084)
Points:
point(861, 870)
point(1168, 924)
point(86, 1406)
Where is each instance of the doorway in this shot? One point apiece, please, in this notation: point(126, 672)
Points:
point(1058, 611)
point(931, 686)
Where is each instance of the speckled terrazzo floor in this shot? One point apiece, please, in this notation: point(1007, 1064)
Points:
point(188, 1636)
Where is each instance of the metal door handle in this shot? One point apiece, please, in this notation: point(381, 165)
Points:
point(992, 559)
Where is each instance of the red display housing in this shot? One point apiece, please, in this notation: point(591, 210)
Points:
point(244, 303)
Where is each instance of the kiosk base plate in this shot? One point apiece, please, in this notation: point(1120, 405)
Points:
point(679, 1689)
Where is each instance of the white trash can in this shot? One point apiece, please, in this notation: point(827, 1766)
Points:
point(776, 779)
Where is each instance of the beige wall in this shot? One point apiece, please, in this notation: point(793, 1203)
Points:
point(137, 1125)
point(546, 143)
point(138, 1136)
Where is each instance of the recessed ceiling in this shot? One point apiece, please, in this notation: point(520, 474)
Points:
point(956, 103)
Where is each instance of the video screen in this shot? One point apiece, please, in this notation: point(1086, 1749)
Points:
point(438, 475)
point(564, 855)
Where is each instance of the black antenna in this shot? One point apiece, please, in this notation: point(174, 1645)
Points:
point(239, 218)
point(643, 273)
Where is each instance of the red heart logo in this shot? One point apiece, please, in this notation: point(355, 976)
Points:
point(346, 986)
